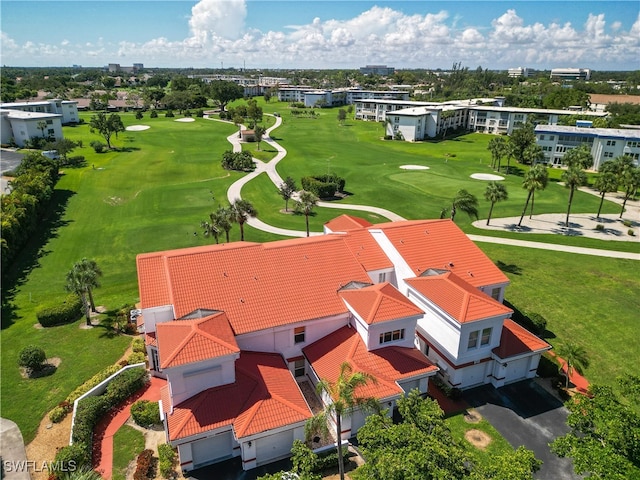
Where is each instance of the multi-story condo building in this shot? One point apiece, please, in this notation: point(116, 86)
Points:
point(381, 70)
point(570, 73)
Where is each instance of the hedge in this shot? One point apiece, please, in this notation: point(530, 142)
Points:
point(167, 459)
point(323, 186)
point(59, 313)
point(145, 413)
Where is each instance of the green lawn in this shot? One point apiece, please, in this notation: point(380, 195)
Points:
point(127, 445)
point(153, 192)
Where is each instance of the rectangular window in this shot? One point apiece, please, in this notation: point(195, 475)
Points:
point(486, 337)
point(382, 277)
point(49, 122)
point(473, 340)
point(541, 138)
point(495, 293)
point(393, 336)
point(298, 334)
point(299, 368)
point(50, 131)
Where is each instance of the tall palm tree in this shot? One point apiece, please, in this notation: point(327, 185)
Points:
point(465, 202)
point(210, 227)
point(343, 400)
point(573, 177)
point(80, 281)
point(606, 182)
point(631, 183)
point(575, 356)
point(497, 147)
point(535, 179)
point(495, 192)
point(223, 220)
point(241, 210)
point(91, 272)
point(305, 205)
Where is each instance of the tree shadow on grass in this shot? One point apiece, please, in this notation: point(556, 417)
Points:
point(514, 269)
point(15, 274)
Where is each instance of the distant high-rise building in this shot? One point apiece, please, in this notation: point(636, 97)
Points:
point(382, 70)
point(571, 73)
point(519, 72)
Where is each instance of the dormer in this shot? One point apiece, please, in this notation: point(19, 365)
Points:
point(382, 315)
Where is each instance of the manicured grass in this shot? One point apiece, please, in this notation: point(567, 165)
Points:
point(127, 445)
point(497, 446)
point(152, 193)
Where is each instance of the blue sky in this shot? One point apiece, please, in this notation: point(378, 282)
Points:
point(602, 35)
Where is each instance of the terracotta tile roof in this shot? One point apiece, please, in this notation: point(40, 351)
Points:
point(387, 364)
point(379, 303)
point(188, 341)
point(516, 340)
point(165, 396)
point(367, 250)
point(344, 223)
point(441, 244)
point(258, 286)
point(150, 339)
point(462, 301)
point(264, 396)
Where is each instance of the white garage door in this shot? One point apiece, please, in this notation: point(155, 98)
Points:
point(274, 447)
point(212, 449)
point(516, 370)
point(474, 375)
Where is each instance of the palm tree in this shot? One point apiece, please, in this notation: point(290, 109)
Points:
point(305, 205)
point(465, 202)
point(80, 279)
point(240, 211)
point(631, 183)
point(210, 227)
point(575, 356)
point(223, 220)
point(495, 192)
point(535, 179)
point(576, 159)
point(497, 147)
point(344, 400)
point(91, 272)
point(286, 190)
point(606, 182)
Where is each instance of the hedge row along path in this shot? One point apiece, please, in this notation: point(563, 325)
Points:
point(234, 192)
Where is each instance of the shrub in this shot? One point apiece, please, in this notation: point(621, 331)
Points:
point(627, 223)
point(57, 414)
point(167, 459)
point(92, 382)
point(59, 313)
point(72, 457)
point(136, 357)
point(449, 391)
point(139, 115)
point(169, 114)
point(323, 186)
point(32, 357)
point(130, 329)
point(153, 114)
point(76, 161)
point(143, 465)
point(600, 227)
point(145, 413)
point(97, 146)
point(138, 345)
point(200, 113)
point(631, 232)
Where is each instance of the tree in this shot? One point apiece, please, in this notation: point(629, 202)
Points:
point(42, 126)
point(342, 116)
point(286, 190)
point(210, 228)
point(344, 399)
point(498, 148)
point(606, 182)
point(241, 210)
point(605, 431)
point(222, 92)
point(81, 279)
point(106, 126)
point(495, 192)
point(520, 140)
point(577, 159)
point(463, 201)
point(258, 132)
point(254, 112)
point(305, 205)
point(91, 271)
point(64, 147)
point(535, 179)
point(630, 182)
point(32, 357)
point(575, 357)
point(223, 220)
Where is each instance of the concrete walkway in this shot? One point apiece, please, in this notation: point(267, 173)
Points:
point(111, 423)
point(234, 192)
point(12, 452)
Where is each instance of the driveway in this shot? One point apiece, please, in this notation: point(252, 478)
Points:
point(526, 414)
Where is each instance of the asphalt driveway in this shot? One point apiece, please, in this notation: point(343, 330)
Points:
point(526, 414)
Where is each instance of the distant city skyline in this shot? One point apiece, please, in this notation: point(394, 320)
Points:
point(600, 35)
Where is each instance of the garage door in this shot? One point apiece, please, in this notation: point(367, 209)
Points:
point(212, 449)
point(516, 370)
point(274, 447)
point(474, 375)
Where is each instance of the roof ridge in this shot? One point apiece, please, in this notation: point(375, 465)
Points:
point(179, 347)
point(213, 337)
point(183, 423)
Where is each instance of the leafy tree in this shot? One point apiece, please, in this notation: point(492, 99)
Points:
point(344, 399)
point(577, 159)
point(240, 211)
point(495, 192)
point(517, 465)
point(254, 112)
point(463, 201)
point(342, 116)
point(32, 357)
point(223, 92)
point(305, 205)
point(498, 148)
point(42, 126)
point(258, 133)
point(286, 190)
point(606, 182)
point(520, 140)
point(575, 356)
point(64, 147)
point(106, 126)
point(604, 441)
point(535, 179)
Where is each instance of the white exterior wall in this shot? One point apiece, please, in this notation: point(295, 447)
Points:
point(402, 269)
point(25, 125)
point(188, 380)
point(389, 276)
point(185, 448)
point(438, 328)
point(6, 133)
point(155, 315)
point(480, 352)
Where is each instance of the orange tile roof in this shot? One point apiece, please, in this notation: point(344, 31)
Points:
point(428, 244)
point(344, 223)
point(150, 339)
point(458, 298)
point(387, 364)
point(516, 340)
point(379, 303)
point(188, 341)
point(264, 396)
point(367, 250)
point(258, 286)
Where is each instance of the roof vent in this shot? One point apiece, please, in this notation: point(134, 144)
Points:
point(242, 300)
point(225, 274)
point(451, 264)
point(402, 242)
point(470, 273)
point(426, 232)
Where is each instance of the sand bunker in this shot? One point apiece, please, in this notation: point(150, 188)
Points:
point(187, 119)
point(414, 167)
point(486, 176)
point(137, 128)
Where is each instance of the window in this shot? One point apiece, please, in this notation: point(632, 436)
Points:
point(382, 277)
point(611, 143)
point(473, 340)
point(51, 131)
point(486, 337)
point(541, 137)
point(495, 293)
point(49, 122)
point(155, 361)
point(393, 336)
point(299, 368)
point(298, 334)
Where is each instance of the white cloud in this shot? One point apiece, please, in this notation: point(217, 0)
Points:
point(217, 18)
